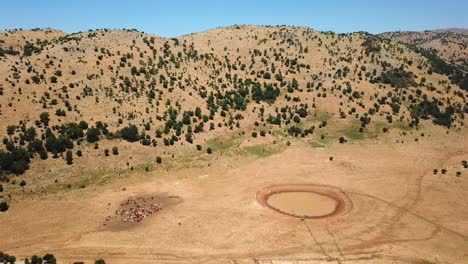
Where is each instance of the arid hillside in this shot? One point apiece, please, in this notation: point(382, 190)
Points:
point(189, 129)
point(58, 89)
point(451, 45)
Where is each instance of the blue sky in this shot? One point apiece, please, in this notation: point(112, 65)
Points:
point(173, 18)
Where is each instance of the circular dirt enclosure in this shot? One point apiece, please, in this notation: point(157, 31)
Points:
point(305, 200)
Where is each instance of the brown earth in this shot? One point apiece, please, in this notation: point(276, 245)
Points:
point(341, 202)
point(396, 209)
point(401, 212)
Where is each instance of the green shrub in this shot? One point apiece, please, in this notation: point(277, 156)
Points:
point(92, 135)
point(129, 133)
point(3, 207)
point(398, 78)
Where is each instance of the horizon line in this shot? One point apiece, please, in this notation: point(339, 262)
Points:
point(228, 26)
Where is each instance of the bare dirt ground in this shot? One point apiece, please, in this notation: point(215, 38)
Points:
point(401, 213)
point(303, 203)
point(305, 200)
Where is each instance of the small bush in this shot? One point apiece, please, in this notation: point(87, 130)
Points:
point(4, 207)
point(69, 157)
point(130, 133)
point(115, 151)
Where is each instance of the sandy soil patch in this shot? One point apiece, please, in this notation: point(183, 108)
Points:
point(305, 200)
point(400, 211)
point(302, 204)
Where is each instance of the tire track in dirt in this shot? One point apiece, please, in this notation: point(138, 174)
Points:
point(315, 240)
point(413, 214)
point(183, 257)
point(334, 241)
point(405, 209)
point(374, 243)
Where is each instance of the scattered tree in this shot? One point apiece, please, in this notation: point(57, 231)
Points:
point(69, 157)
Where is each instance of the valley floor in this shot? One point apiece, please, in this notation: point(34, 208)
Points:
point(401, 212)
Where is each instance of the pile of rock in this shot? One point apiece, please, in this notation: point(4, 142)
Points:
point(137, 209)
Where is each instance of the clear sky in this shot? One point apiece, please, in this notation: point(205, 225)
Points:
point(173, 18)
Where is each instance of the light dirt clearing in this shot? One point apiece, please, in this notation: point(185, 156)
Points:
point(305, 200)
point(400, 212)
point(302, 204)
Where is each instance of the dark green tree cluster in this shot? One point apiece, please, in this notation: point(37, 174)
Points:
point(46, 259)
point(56, 144)
point(14, 160)
point(430, 109)
point(29, 49)
point(398, 78)
point(130, 133)
point(57, 139)
point(457, 74)
point(6, 258)
point(267, 94)
point(371, 44)
point(9, 51)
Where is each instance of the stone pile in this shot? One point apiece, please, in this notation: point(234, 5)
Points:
point(137, 209)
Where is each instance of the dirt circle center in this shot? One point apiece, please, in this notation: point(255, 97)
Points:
point(305, 200)
point(302, 204)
